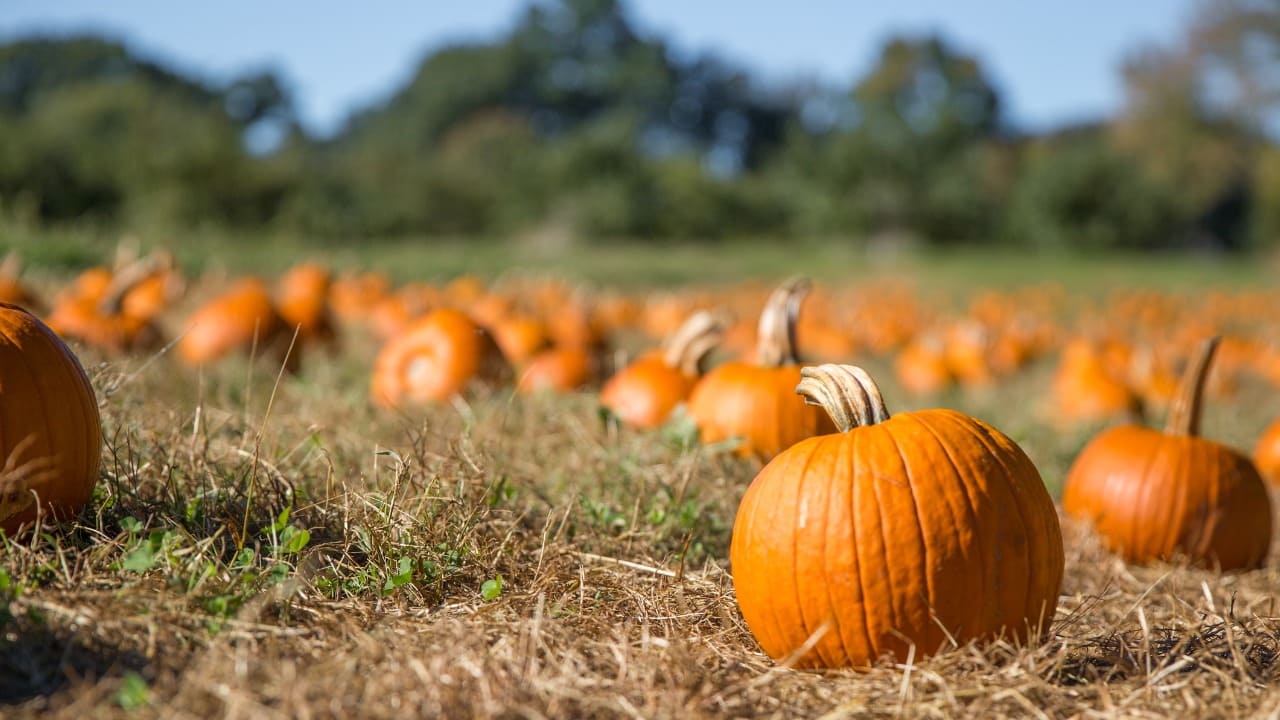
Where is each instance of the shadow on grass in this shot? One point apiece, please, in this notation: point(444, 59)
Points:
point(38, 661)
point(1243, 650)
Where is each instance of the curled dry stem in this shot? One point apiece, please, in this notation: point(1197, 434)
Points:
point(693, 341)
point(846, 392)
point(1184, 414)
point(776, 333)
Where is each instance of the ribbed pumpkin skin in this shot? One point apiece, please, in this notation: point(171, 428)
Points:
point(928, 520)
point(1266, 454)
point(1151, 495)
point(433, 359)
point(757, 404)
point(644, 393)
point(50, 432)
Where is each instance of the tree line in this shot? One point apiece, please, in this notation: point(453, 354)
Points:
point(578, 122)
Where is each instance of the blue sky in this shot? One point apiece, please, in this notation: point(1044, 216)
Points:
point(1053, 62)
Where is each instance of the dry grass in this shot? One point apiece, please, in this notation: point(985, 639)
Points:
point(184, 591)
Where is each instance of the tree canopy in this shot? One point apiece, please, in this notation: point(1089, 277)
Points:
point(580, 121)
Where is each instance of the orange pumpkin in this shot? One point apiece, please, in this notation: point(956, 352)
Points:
point(1152, 495)
point(520, 337)
point(353, 297)
point(243, 319)
point(644, 393)
point(159, 284)
point(50, 432)
point(302, 299)
point(558, 369)
point(756, 402)
point(434, 359)
point(913, 530)
point(94, 314)
point(921, 366)
point(1085, 389)
point(1266, 454)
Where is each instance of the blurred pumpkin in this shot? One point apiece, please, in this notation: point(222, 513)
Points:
point(434, 360)
point(644, 393)
point(1152, 495)
point(1086, 390)
point(242, 319)
point(756, 402)
point(1266, 454)
point(557, 369)
point(921, 367)
point(353, 297)
point(520, 337)
point(302, 299)
point(158, 286)
point(94, 314)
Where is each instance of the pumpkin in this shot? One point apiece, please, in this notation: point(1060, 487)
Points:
point(755, 402)
point(1086, 389)
point(353, 297)
point(157, 286)
point(434, 359)
point(1266, 454)
point(1152, 495)
point(966, 347)
point(908, 530)
point(242, 319)
point(921, 366)
point(94, 314)
point(644, 393)
point(302, 299)
point(50, 433)
point(520, 337)
point(558, 369)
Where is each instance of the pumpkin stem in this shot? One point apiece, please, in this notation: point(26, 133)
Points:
point(122, 282)
point(776, 333)
point(698, 336)
point(127, 252)
point(1184, 415)
point(846, 392)
point(11, 266)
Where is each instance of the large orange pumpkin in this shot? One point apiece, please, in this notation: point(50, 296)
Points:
point(50, 433)
point(644, 393)
point(243, 319)
point(434, 359)
point(756, 402)
point(1152, 495)
point(913, 530)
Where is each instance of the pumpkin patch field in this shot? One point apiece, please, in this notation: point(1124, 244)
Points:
point(428, 482)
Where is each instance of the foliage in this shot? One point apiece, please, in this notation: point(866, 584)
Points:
point(580, 123)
